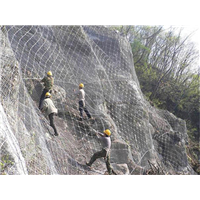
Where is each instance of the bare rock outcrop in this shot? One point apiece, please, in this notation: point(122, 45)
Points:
point(102, 60)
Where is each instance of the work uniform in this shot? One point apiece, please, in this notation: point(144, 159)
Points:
point(50, 109)
point(81, 97)
point(48, 85)
point(105, 152)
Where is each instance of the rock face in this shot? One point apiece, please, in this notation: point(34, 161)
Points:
point(102, 60)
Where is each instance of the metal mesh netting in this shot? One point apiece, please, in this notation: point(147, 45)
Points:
point(101, 59)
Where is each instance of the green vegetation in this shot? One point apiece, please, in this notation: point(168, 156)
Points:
point(5, 162)
point(167, 68)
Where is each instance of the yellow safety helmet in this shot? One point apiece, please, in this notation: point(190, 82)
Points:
point(49, 73)
point(81, 85)
point(107, 132)
point(47, 94)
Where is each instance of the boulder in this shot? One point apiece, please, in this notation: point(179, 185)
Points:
point(101, 59)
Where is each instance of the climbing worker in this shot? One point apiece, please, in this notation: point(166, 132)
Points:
point(50, 109)
point(105, 152)
point(48, 85)
point(81, 96)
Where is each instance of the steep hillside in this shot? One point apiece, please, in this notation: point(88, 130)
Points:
point(145, 140)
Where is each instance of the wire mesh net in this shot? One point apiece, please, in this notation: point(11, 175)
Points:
point(101, 59)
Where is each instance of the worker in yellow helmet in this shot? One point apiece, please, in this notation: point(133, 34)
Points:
point(82, 107)
point(105, 152)
point(50, 109)
point(48, 82)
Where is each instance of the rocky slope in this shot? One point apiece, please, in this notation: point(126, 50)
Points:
point(145, 139)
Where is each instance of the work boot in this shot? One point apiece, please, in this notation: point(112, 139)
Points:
point(113, 172)
point(88, 164)
point(56, 134)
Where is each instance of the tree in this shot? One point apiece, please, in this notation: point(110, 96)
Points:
point(166, 65)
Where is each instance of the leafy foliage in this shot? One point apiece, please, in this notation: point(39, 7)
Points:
point(166, 64)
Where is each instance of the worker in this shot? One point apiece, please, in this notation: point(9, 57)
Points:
point(105, 152)
point(81, 96)
point(50, 109)
point(48, 85)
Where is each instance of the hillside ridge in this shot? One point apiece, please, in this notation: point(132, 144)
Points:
point(145, 139)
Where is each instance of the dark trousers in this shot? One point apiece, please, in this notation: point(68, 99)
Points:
point(42, 97)
point(102, 154)
point(52, 123)
point(81, 108)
